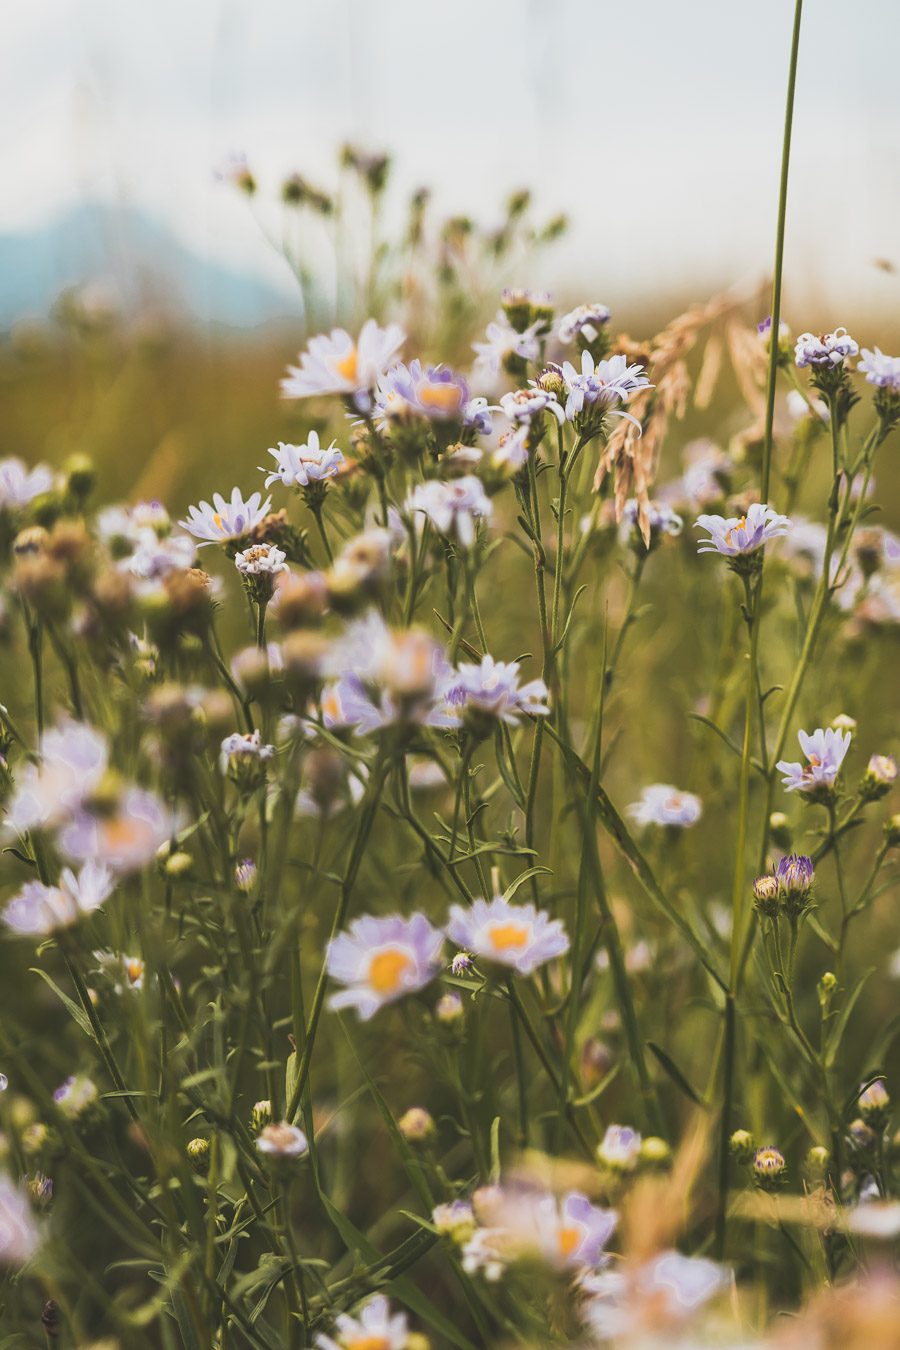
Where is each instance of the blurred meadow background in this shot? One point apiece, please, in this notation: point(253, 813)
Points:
point(193, 190)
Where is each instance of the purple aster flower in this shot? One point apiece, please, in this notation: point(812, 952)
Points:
point(435, 393)
point(824, 751)
point(154, 557)
point(244, 746)
point(602, 385)
point(492, 688)
point(504, 347)
point(585, 322)
point(380, 960)
point(738, 536)
point(335, 364)
point(224, 521)
point(522, 406)
point(477, 417)
point(829, 349)
point(518, 936)
point(73, 759)
point(76, 1095)
point(663, 520)
point(300, 465)
point(620, 1148)
point(881, 370)
point(662, 804)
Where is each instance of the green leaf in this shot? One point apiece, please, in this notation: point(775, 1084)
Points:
point(677, 1077)
point(78, 1014)
point(839, 1026)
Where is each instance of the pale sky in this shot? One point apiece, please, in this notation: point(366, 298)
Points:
point(656, 126)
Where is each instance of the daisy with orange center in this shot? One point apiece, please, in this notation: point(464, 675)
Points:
point(518, 936)
point(379, 960)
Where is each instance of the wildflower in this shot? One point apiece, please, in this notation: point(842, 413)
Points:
point(302, 465)
point(875, 1219)
point(282, 1141)
point(449, 1009)
point(764, 329)
point(127, 972)
point(874, 1104)
point(73, 759)
point(455, 1220)
point(124, 835)
point(880, 776)
point(335, 364)
point(526, 407)
point(417, 1125)
point(462, 964)
point(827, 350)
point(594, 391)
point(740, 538)
point(881, 370)
point(484, 695)
point(741, 1146)
point(794, 875)
point(260, 1116)
point(243, 756)
point(260, 560)
point(226, 521)
point(769, 1167)
point(235, 170)
point(661, 518)
point(620, 1148)
point(154, 558)
point(583, 324)
point(38, 909)
point(19, 485)
point(662, 804)
point(573, 1232)
point(638, 1304)
point(380, 960)
point(452, 508)
point(510, 454)
point(518, 936)
point(843, 722)
point(403, 670)
point(40, 1189)
point(376, 1328)
point(505, 350)
point(245, 875)
point(824, 751)
point(198, 1155)
point(409, 392)
point(19, 1235)
point(77, 1096)
point(765, 891)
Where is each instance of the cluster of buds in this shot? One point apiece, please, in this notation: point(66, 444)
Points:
point(787, 889)
point(524, 308)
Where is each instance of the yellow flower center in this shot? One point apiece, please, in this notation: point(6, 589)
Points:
point(369, 1342)
point(387, 969)
point(739, 526)
point(134, 969)
point(568, 1237)
point(509, 935)
point(217, 521)
point(346, 367)
point(119, 832)
point(445, 397)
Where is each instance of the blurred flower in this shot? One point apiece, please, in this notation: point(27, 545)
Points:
point(505, 350)
point(282, 1141)
point(242, 750)
point(452, 508)
point(769, 1167)
point(76, 1096)
point(19, 1235)
point(881, 370)
point(620, 1148)
point(584, 321)
point(19, 485)
point(376, 1328)
point(335, 364)
point(260, 560)
point(300, 465)
point(524, 406)
point(73, 758)
point(126, 972)
point(738, 536)
point(662, 520)
point(518, 936)
point(491, 690)
point(38, 909)
point(824, 751)
point(416, 1125)
point(455, 1219)
point(380, 960)
point(662, 804)
point(434, 393)
point(224, 521)
point(829, 349)
point(652, 1302)
point(124, 835)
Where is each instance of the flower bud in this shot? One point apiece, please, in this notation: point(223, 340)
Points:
point(455, 1220)
point(245, 875)
point(179, 865)
point(765, 889)
point(825, 988)
point(198, 1155)
point(780, 830)
point(655, 1152)
point(80, 476)
point(892, 832)
point(879, 777)
point(818, 1160)
point(861, 1135)
point(417, 1125)
point(874, 1104)
point(449, 1009)
point(260, 1116)
point(843, 722)
point(769, 1168)
point(742, 1146)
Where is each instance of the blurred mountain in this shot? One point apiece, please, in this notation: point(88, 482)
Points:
point(133, 262)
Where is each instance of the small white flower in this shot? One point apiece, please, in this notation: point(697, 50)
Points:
point(584, 321)
point(881, 370)
point(662, 804)
point(335, 364)
point(243, 746)
point(19, 485)
point(620, 1148)
point(738, 536)
point(376, 1328)
point(282, 1141)
point(380, 960)
point(829, 349)
point(261, 560)
point(453, 508)
point(38, 910)
point(503, 342)
point(300, 465)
